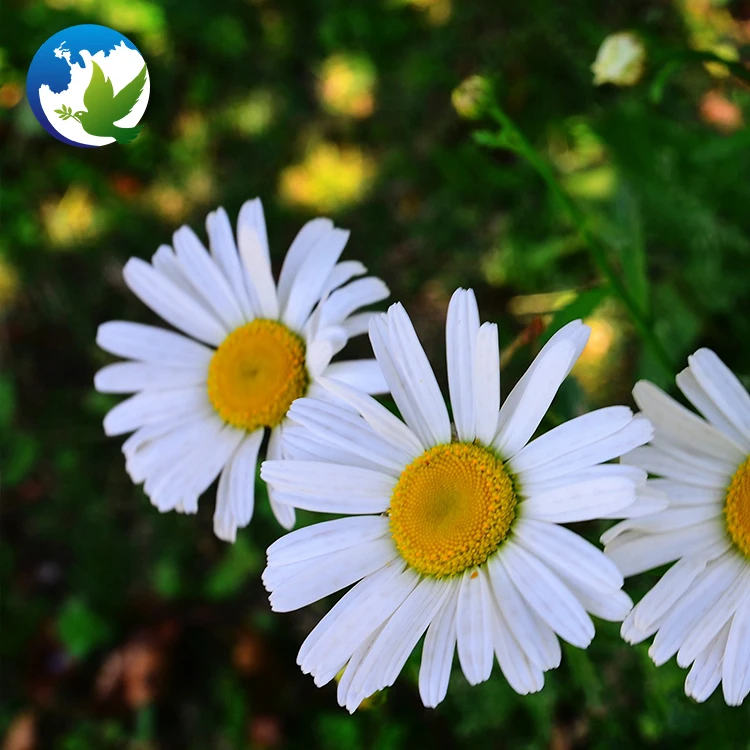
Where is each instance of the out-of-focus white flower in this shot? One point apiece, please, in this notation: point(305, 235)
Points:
point(620, 60)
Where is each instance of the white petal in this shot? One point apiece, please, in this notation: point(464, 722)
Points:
point(357, 622)
point(328, 536)
point(474, 626)
point(736, 672)
point(153, 448)
point(705, 675)
point(523, 676)
point(725, 390)
point(548, 596)
point(657, 461)
point(377, 416)
point(148, 407)
point(235, 496)
point(409, 376)
point(582, 432)
point(437, 652)
point(225, 254)
point(321, 576)
point(253, 246)
point(692, 608)
point(696, 394)
point(681, 427)
point(170, 302)
point(716, 618)
point(300, 444)
point(648, 500)
point(153, 345)
point(355, 600)
point(129, 377)
point(612, 607)
point(461, 329)
point(537, 639)
point(580, 501)
point(555, 360)
point(342, 273)
point(669, 520)
point(343, 302)
point(348, 695)
point(681, 494)
point(568, 555)
point(298, 251)
point(359, 323)
point(363, 374)
point(633, 553)
point(283, 512)
point(144, 435)
point(636, 432)
point(190, 475)
point(165, 262)
point(699, 461)
point(522, 412)
point(311, 277)
point(487, 383)
point(633, 474)
point(668, 590)
point(330, 488)
point(399, 637)
point(346, 430)
point(206, 278)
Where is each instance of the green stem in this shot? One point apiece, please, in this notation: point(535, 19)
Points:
point(518, 142)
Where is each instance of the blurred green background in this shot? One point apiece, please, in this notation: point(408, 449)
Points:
point(123, 628)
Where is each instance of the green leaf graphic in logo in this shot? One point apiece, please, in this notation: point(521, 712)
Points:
point(103, 108)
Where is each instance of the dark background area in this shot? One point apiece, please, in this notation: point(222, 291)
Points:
point(124, 628)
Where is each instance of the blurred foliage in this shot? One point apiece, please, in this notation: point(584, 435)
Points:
point(123, 628)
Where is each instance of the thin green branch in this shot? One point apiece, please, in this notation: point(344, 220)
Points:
point(514, 139)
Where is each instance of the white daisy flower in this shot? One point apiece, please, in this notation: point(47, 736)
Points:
point(700, 608)
point(456, 533)
point(205, 399)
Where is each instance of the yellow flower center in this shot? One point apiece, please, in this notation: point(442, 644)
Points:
point(256, 373)
point(737, 508)
point(451, 509)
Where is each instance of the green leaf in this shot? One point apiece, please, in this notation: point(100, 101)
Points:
point(581, 307)
point(20, 457)
point(80, 629)
point(633, 250)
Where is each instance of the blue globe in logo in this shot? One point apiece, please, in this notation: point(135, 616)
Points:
point(88, 86)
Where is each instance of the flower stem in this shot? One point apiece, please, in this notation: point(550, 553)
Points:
point(517, 142)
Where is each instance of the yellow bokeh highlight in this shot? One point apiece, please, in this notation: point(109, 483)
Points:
point(144, 17)
point(438, 12)
point(73, 219)
point(346, 85)
point(253, 114)
point(330, 178)
point(10, 284)
point(711, 28)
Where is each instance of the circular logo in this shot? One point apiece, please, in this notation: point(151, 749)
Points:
point(88, 86)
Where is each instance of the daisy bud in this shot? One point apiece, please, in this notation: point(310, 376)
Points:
point(471, 97)
point(620, 60)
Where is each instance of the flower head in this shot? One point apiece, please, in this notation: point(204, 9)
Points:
point(471, 97)
point(451, 529)
point(247, 348)
point(620, 60)
point(700, 609)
